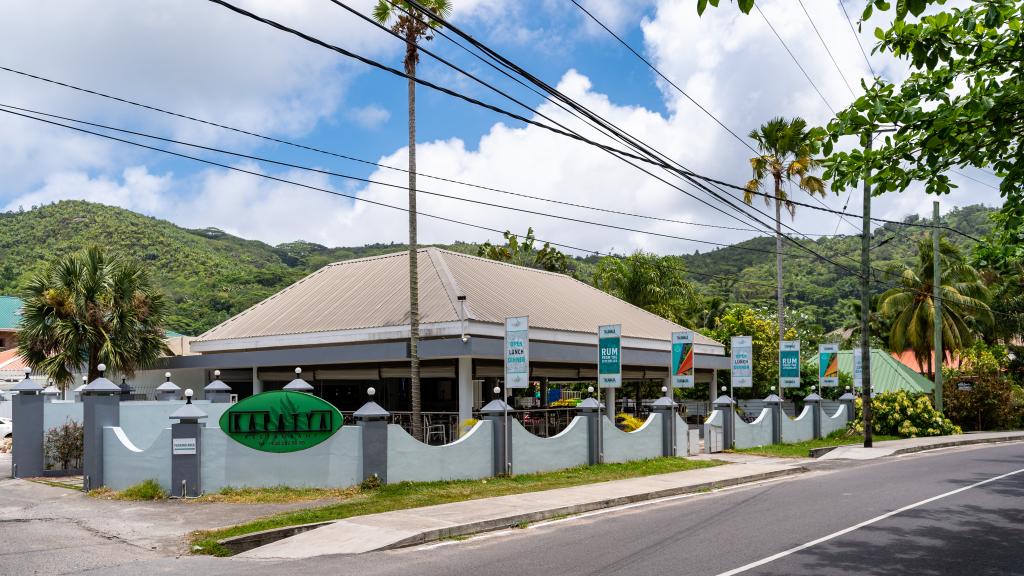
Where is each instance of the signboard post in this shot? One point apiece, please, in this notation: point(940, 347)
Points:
point(828, 365)
point(682, 359)
point(517, 352)
point(858, 367)
point(789, 364)
point(742, 372)
point(609, 356)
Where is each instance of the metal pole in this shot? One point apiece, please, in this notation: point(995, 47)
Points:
point(939, 356)
point(865, 307)
point(600, 426)
point(504, 393)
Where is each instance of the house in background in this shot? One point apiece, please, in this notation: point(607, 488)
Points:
point(10, 316)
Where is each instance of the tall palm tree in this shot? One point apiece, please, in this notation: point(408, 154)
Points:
point(786, 155)
point(912, 310)
point(91, 308)
point(413, 25)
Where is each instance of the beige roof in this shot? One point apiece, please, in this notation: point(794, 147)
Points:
point(373, 293)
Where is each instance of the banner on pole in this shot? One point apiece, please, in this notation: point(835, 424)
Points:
point(682, 359)
point(517, 352)
point(789, 363)
point(609, 356)
point(858, 368)
point(742, 373)
point(828, 365)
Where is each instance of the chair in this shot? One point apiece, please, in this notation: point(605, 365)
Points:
point(434, 430)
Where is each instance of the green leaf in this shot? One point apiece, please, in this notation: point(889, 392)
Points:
point(867, 12)
point(993, 18)
point(916, 7)
point(901, 9)
point(746, 5)
point(879, 33)
point(702, 5)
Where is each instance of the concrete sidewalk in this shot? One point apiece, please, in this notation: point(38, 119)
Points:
point(418, 525)
point(908, 445)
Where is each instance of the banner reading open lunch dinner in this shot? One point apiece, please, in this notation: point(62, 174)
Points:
point(858, 367)
point(517, 352)
point(828, 365)
point(789, 363)
point(682, 359)
point(609, 356)
point(742, 372)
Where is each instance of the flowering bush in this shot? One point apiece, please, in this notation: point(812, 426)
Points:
point(901, 413)
point(628, 422)
point(566, 403)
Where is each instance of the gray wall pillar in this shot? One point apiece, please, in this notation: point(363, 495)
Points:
point(590, 409)
point(724, 404)
point(373, 426)
point(495, 411)
point(28, 458)
point(814, 401)
point(849, 400)
point(774, 404)
point(99, 411)
point(666, 407)
point(186, 459)
point(465, 376)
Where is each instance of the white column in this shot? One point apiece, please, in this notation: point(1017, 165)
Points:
point(609, 402)
point(713, 388)
point(257, 386)
point(465, 388)
point(670, 394)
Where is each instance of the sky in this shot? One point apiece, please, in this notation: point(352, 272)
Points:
point(197, 58)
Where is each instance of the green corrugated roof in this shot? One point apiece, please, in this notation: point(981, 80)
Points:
point(887, 373)
point(10, 312)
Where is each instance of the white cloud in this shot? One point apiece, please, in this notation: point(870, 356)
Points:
point(370, 117)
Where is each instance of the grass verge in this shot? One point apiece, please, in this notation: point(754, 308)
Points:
point(145, 490)
point(406, 495)
point(801, 449)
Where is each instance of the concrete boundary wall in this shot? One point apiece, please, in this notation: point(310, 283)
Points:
point(532, 453)
point(469, 457)
point(125, 464)
point(683, 437)
point(57, 412)
point(713, 432)
point(757, 433)
point(144, 420)
point(798, 429)
point(333, 463)
point(836, 421)
point(641, 444)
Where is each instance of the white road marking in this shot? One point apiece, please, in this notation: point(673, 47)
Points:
point(833, 535)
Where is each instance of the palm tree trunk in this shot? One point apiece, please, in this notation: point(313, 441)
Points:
point(778, 263)
point(414, 291)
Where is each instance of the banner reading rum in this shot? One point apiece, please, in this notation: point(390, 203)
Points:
point(828, 365)
point(517, 352)
point(682, 359)
point(742, 372)
point(789, 363)
point(609, 356)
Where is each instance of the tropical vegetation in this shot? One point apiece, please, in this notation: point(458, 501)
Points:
point(89, 308)
point(904, 414)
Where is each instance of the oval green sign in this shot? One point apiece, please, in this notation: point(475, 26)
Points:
point(281, 421)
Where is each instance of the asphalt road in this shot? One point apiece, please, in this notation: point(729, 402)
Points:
point(959, 511)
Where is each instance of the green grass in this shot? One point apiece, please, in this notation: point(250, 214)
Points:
point(801, 449)
point(275, 495)
point(406, 495)
point(145, 490)
point(59, 483)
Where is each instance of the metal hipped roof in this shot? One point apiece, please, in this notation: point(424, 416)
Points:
point(10, 312)
point(887, 373)
point(372, 295)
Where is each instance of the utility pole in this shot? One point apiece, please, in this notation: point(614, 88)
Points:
point(865, 305)
point(939, 356)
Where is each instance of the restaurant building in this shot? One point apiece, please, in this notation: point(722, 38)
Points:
point(347, 327)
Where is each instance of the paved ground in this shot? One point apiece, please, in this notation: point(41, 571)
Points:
point(977, 530)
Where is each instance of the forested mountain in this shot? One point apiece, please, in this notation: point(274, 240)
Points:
point(210, 275)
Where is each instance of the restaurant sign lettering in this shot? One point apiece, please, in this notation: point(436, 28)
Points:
point(281, 421)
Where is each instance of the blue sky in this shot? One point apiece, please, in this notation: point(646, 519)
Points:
point(197, 58)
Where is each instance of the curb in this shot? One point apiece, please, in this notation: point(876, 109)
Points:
point(245, 542)
point(819, 452)
point(519, 519)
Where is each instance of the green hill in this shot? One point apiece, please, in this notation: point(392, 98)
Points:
point(210, 275)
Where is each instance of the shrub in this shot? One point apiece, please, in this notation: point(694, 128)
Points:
point(565, 403)
point(64, 444)
point(145, 490)
point(988, 405)
point(900, 413)
point(466, 426)
point(627, 422)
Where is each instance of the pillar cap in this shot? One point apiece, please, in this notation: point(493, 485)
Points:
point(664, 402)
point(496, 406)
point(101, 386)
point(217, 386)
point(773, 399)
point(188, 413)
point(371, 411)
point(168, 387)
point(299, 385)
point(812, 397)
point(723, 399)
point(847, 397)
point(27, 386)
point(589, 405)
point(51, 390)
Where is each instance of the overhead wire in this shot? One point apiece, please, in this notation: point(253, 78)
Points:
point(793, 56)
point(825, 46)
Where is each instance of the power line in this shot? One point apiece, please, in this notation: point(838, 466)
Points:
point(856, 37)
point(793, 56)
point(825, 45)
